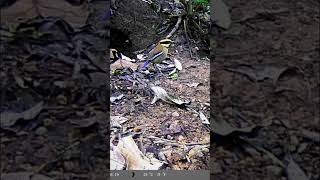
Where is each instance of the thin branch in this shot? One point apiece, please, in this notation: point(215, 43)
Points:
point(176, 143)
point(187, 37)
point(175, 27)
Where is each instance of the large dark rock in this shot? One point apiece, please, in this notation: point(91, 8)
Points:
point(134, 26)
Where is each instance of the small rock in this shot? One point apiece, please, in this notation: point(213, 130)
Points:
point(41, 131)
point(169, 137)
point(175, 114)
point(62, 100)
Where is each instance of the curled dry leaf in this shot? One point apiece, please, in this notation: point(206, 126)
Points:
point(116, 121)
point(177, 64)
point(126, 58)
point(259, 72)
point(116, 98)
point(193, 84)
point(160, 93)
point(223, 128)
point(136, 160)
point(198, 151)
point(122, 64)
point(294, 171)
point(204, 119)
point(19, 81)
point(117, 161)
point(10, 118)
point(87, 122)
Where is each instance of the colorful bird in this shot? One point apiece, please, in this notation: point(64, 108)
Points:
point(158, 52)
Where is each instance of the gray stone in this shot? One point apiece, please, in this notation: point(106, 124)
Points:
point(41, 131)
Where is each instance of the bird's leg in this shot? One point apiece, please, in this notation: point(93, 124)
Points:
point(157, 68)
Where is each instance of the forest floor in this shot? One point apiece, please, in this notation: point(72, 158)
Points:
point(266, 72)
point(264, 75)
point(53, 93)
point(167, 121)
point(182, 140)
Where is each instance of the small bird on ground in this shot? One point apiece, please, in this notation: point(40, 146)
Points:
point(158, 52)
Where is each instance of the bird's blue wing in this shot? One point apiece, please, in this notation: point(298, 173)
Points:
point(145, 64)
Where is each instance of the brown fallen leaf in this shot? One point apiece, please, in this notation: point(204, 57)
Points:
point(259, 72)
point(10, 118)
point(27, 9)
point(87, 122)
point(121, 64)
point(198, 151)
point(135, 159)
point(294, 172)
point(160, 93)
point(117, 161)
point(116, 121)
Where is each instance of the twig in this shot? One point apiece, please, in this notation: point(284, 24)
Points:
point(187, 37)
point(175, 27)
point(198, 27)
point(177, 143)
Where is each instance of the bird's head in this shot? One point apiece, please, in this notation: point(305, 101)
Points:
point(165, 42)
